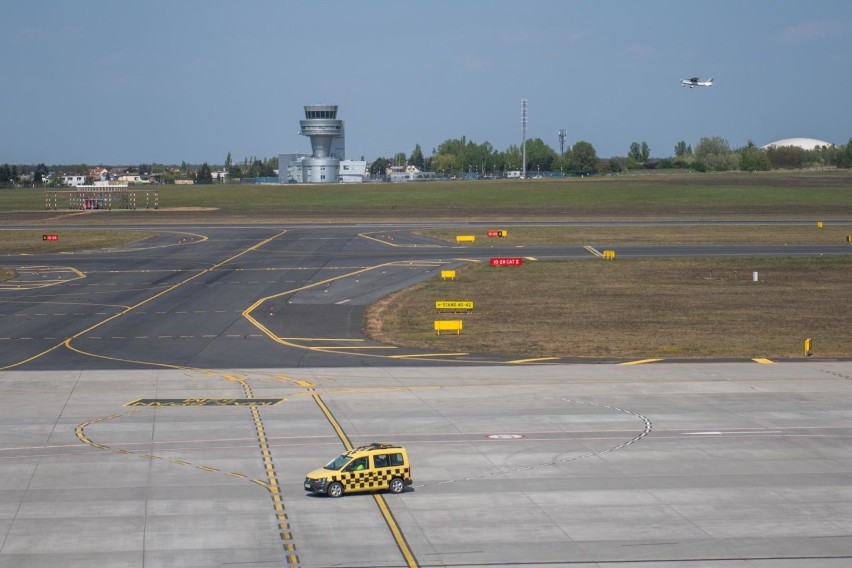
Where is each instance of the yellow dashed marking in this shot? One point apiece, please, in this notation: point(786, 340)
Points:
point(536, 360)
point(324, 347)
point(640, 362)
point(425, 355)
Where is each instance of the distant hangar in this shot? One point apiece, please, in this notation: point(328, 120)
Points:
point(803, 143)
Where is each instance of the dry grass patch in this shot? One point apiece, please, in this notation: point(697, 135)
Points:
point(71, 240)
point(633, 309)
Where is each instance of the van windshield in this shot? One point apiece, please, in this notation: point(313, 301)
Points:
point(338, 463)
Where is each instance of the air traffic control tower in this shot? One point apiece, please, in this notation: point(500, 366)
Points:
point(327, 142)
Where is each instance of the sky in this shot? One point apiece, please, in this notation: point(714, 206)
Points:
point(119, 82)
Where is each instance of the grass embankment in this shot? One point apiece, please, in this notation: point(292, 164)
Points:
point(70, 240)
point(633, 309)
point(795, 195)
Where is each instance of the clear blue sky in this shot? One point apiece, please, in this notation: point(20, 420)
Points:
point(129, 82)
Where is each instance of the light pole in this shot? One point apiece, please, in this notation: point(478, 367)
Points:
point(523, 138)
point(561, 134)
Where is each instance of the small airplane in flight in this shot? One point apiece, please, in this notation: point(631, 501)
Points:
point(695, 82)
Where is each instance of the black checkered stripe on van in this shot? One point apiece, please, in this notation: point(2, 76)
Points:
point(371, 479)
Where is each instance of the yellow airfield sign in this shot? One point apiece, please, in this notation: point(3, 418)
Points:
point(453, 305)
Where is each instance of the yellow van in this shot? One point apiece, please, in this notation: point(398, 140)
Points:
point(376, 467)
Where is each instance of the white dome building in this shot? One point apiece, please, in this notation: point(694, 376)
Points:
point(803, 143)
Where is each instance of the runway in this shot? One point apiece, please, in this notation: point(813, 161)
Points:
point(160, 405)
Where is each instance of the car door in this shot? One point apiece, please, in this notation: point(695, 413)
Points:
point(356, 475)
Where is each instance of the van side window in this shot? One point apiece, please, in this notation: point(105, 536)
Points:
point(396, 459)
point(357, 465)
point(381, 460)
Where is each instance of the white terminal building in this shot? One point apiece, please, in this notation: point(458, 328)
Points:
point(327, 163)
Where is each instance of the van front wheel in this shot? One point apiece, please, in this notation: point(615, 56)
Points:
point(396, 485)
point(335, 490)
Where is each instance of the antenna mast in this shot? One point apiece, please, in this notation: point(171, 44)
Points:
point(524, 138)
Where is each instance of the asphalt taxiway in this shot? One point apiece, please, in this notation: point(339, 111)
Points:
point(245, 297)
point(682, 465)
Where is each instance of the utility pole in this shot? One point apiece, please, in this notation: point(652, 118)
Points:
point(524, 138)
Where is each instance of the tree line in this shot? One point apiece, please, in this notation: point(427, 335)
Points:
point(465, 158)
point(234, 171)
point(40, 175)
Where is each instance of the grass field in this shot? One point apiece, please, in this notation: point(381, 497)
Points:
point(632, 308)
point(794, 195)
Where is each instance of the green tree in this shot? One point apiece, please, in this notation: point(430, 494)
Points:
point(682, 150)
point(271, 165)
point(540, 156)
point(235, 171)
point(584, 158)
point(716, 153)
point(39, 174)
point(259, 168)
point(204, 175)
point(467, 156)
point(786, 157)
point(639, 153)
point(416, 159)
point(445, 164)
point(379, 167)
point(843, 155)
point(511, 158)
point(753, 158)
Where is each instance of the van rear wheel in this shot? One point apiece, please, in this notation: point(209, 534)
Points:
point(396, 485)
point(335, 490)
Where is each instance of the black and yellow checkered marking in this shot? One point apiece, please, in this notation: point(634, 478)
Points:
point(367, 480)
point(161, 402)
